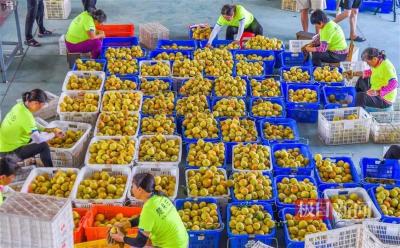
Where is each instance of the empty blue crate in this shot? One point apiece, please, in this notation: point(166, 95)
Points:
point(339, 83)
point(304, 150)
point(303, 68)
point(386, 6)
point(186, 53)
point(385, 217)
point(216, 99)
point(240, 240)
point(290, 243)
point(285, 122)
point(345, 95)
point(103, 63)
point(197, 166)
point(278, 101)
point(150, 79)
point(168, 44)
point(203, 238)
point(120, 41)
point(290, 59)
point(322, 185)
point(278, 179)
point(376, 172)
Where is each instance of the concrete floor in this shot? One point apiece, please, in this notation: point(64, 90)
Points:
point(43, 68)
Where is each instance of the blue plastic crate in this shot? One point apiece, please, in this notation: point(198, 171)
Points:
point(204, 238)
point(229, 145)
point(273, 100)
point(187, 53)
point(372, 5)
point(269, 201)
point(259, 79)
point(190, 32)
point(165, 79)
point(216, 43)
point(240, 240)
point(183, 82)
point(286, 122)
point(148, 97)
point(188, 140)
point(278, 179)
point(385, 218)
point(379, 169)
point(216, 99)
point(243, 78)
point(288, 241)
point(101, 61)
point(304, 105)
point(340, 93)
point(267, 65)
point(120, 41)
point(145, 116)
point(303, 68)
point(130, 78)
point(188, 43)
point(108, 73)
point(304, 115)
point(104, 49)
point(290, 59)
point(341, 83)
point(326, 185)
point(304, 149)
point(187, 166)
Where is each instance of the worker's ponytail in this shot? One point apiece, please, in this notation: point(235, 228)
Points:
point(35, 95)
point(228, 10)
point(98, 15)
point(147, 183)
point(370, 53)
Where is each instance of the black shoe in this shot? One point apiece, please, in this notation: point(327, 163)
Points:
point(45, 33)
point(32, 42)
point(358, 39)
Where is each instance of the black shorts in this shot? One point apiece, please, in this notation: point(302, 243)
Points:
point(350, 4)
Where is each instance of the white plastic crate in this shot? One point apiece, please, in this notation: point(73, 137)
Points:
point(385, 127)
point(95, 139)
point(168, 137)
point(86, 74)
point(96, 130)
point(36, 221)
point(155, 171)
point(344, 131)
point(86, 117)
point(150, 33)
point(23, 173)
point(57, 9)
point(226, 196)
point(49, 111)
point(69, 157)
point(380, 235)
point(344, 237)
point(153, 62)
point(233, 159)
point(123, 91)
point(39, 171)
point(296, 45)
point(396, 104)
point(61, 45)
point(361, 192)
point(88, 171)
point(355, 66)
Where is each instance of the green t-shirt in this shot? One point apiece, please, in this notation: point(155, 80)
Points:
point(380, 77)
point(333, 34)
point(79, 27)
point(160, 218)
point(240, 13)
point(16, 128)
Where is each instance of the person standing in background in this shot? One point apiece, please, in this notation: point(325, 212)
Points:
point(89, 5)
point(35, 12)
point(351, 8)
point(304, 6)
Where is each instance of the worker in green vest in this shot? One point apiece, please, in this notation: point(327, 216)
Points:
point(238, 20)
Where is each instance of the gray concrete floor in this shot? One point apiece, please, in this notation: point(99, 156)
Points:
point(43, 68)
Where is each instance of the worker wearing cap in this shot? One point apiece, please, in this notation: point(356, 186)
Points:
point(238, 20)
